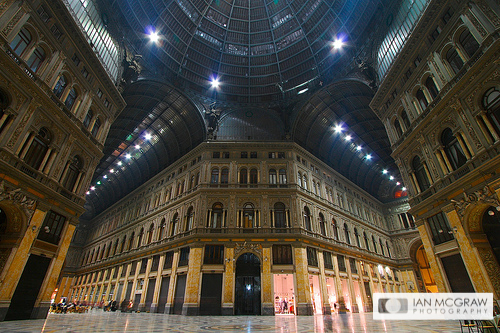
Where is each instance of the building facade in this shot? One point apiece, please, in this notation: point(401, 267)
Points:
point(440, 105)
point(56, 107)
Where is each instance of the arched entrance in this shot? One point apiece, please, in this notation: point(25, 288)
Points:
point(247, 289)
point(491, 227)
point(427, 278)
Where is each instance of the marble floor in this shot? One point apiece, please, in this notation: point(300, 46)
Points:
point(98, 321)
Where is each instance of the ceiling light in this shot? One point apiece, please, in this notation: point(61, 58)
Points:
point(338, 128)
point(92, 188)
point(147, 136)
point(403, 188)
point(215, 82)
point(303, 91)
point(391, 177)
point(112, 170)
point(398, 183)
point(98, 182)
point(137, 147)
point(105, 177)
point(368, 156)
point(348, 138)
point(153, 36)
point(119, 163)
point(385, 171)
point(128, 156)
point(358, 148)
point(87, 193)
point(337, 44)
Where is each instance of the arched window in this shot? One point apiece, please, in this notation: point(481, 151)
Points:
point(491, 103)
point(189, 218)
point(224, 176)
point(307, 219)
point(74, 168)
point(356, 235)
point(346, 233)
point(468, 43)
point(374, 244)
point(214, 179)
point(279, 215)
point(422, 100)
point(21, 41)
point(115, 249)
point(367, 243)
point(299, 179)
point(122, 246)
point(304, 181)
point(243, 176)
point(150, 233)
point(282, 176)
point(453, 149)
point(272, 177)
point(197, 179)
point(38, 149)
point(335, 229)
point(248, 216)
point(405, 119)
point(71, 98)
point(322, 228)
point(60, 86)
point(141, 235)
point(191, 182)
point(36, 59)
point(88, 118)
point(431, 87)
point(454, 60)
point(161, 233)
point(420, 174)
point(381, 246)
point(253, 176)
point(216, 217)
point(97, 126)
point(388, 249)
point(397, 127)
point(173, 224)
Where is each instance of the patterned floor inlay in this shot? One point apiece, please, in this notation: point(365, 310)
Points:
point(108, 322)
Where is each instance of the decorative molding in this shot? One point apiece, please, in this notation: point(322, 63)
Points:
point(491, 266)
point(16, 196)
point(247, 247)
point(484, 195)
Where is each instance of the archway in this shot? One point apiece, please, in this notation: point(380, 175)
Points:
point(247, 289)
point(426, 276)
point(491, 228)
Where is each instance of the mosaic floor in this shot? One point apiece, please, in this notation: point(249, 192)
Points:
point(98, 321)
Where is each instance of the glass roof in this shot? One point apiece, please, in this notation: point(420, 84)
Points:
point(261, 50)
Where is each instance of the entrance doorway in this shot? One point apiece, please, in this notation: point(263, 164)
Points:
point(425, 271)
point(247, 293)
point(284, 294)
point(491, 227)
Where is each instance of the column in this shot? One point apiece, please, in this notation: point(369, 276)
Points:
point(156, 296)
point(463, 145)
point(338, 286)
point(442, 164)
point(431, 257)
point(42, 305)
point(352, 294)
point(303, 296)
point(191, 306)
point(17, 260)
point(472, 261)
point(142, 304)
point(326, 308)
point(491, 130)
point(228, 283)
point(267, 283)
point(169, 307)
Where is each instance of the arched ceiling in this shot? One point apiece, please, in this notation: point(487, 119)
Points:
point(262, 50)
point(155, 108)
point(346, 103)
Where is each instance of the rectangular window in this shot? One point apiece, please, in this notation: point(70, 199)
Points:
point(327, 258)
point(244, 154)
point(184, 257)
point(225, 154)
point(253, 154)
point(272, 155)
point(169, 259)
point(282, 255)
point(99, 93)
point(75, 60)
point(341, 262)
point(85, 72)
point(352, 263)
point(115, 272)
point(440, 229)
point(214, 254)
point(312, 259)
point(216, 154)
point(51, 228)
point(144, 265)
point(281, 155)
